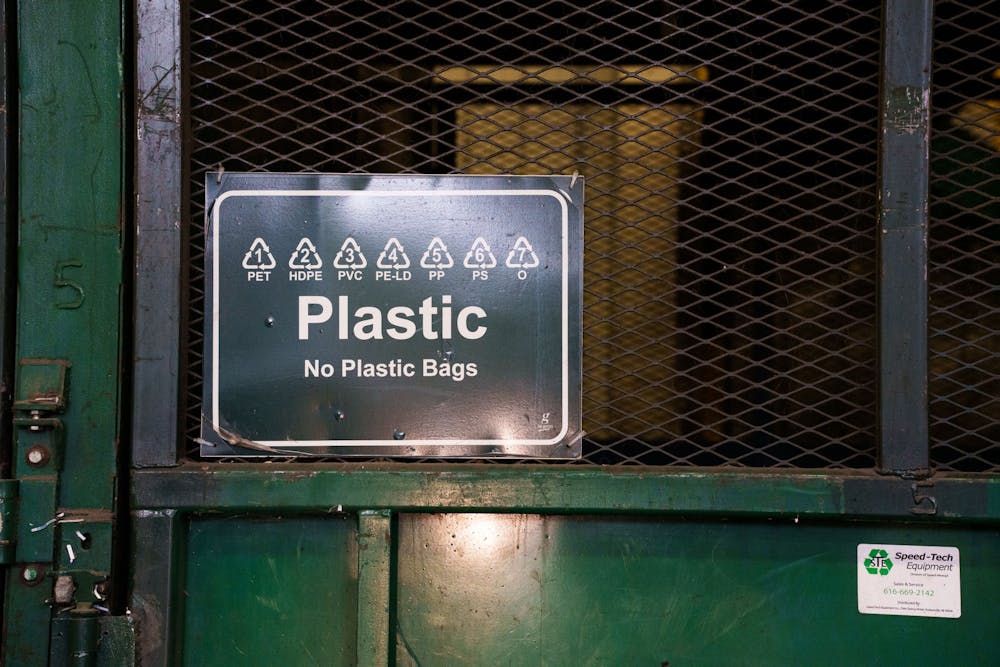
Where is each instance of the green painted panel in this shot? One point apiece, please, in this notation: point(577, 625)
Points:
point(374, 587)
point(270, 591)
point(70, 260)
point(26, 618)
point(532, 590)
point(68, 270)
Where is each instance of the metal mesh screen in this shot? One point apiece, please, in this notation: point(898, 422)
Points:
point(730, 157)
point(965, 238)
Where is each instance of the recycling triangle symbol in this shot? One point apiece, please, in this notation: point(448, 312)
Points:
point(437, 256)
point(305, 256)
point(259, 257)
point(393, 256)
point(480, 256)
point(521, 255)
point(350, 256)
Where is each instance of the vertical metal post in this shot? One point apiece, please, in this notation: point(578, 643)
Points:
point(157, 559)
point(69, 262)
point(158, 232)
point(374, 587)
point(7, 242)
point(70, 224)
point(904, 165)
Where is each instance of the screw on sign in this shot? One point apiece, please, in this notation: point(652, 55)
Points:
point(878, 562)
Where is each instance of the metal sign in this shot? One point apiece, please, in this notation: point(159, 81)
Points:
point(400, 315)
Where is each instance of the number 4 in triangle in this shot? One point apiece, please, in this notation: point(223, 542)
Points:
point(393, 256)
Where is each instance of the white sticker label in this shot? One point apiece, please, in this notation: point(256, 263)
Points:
point(909, 580)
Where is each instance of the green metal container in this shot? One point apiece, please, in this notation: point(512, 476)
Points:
point(122, 545)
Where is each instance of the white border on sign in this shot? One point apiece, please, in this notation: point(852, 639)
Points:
point(559, 196)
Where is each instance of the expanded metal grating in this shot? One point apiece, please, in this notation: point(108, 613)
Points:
point(730, 157)
point(965, 238)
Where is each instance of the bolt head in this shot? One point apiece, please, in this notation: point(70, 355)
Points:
point(37, 456)
point(30, 574)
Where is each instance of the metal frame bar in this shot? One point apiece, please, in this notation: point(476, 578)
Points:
point(904, 168)
point(157, 570)
point(159, 186)
point(69, 156)
point(375, 547)
point(8, 241)
point(547, 489)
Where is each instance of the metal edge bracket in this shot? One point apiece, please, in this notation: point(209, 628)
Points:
point(923, 503)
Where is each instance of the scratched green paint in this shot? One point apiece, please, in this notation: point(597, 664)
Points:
point(489, 589)
point(374, 587)
point(270, 591)
point(70, 257)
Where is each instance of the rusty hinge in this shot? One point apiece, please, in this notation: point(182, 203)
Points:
point(41, 385)
point(40, 395)
point(29, 507)
point(84, 636)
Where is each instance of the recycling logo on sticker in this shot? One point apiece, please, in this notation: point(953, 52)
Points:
point(878, 562)
point(909, 580)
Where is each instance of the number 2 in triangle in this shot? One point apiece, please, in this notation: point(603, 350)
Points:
point(305, 256)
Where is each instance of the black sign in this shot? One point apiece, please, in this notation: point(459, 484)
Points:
point(402, 315)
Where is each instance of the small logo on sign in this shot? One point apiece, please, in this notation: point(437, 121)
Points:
point(393, 256)
point(259, 257)
point(522, 256)
point(305, 256)
point(437, 256)
point(350, 256)
point(480, 256)
point(878, 562)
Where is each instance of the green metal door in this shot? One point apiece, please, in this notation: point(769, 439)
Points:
point(789, 337)
point(65, 111)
